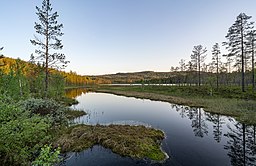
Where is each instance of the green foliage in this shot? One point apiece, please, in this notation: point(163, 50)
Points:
point(36, 83)
point(56, 86)
point(14, 83)
point(47, 157)
point(21, 135)
point(49, 107)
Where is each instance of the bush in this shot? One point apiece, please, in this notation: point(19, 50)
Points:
point(21, 135)
point(48, 107)
point(47, 156)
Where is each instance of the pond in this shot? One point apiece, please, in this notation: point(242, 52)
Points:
point(193, 137)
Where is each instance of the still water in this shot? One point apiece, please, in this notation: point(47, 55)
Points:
point(193, 137)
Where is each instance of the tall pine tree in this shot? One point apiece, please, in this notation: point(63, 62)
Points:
point(236, 41)
point(251, 50)
point(197, 58)
point(50, 30)
point(216, 60)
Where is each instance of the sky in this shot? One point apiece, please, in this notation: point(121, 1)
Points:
point(111, 36)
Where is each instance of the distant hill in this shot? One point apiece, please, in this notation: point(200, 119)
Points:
point(136, 77)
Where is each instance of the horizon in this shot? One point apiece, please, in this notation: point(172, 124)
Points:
point(109, 37)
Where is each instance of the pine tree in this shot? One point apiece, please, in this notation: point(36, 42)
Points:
point(236, 37)
point(251, 50)
point(1, 56)
point(50, 30)
point(182, 65)
point(216, 61)
point(197, 58)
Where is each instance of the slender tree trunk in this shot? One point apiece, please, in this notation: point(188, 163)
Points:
point(20, 83)
point(253, 82)
point(217, 72)
point(46, 54)
point(199, 74)
point(242, 57)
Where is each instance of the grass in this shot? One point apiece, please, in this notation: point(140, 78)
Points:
point(228, 101)
point(67, 101)
point(72, 114)
point(132, 141)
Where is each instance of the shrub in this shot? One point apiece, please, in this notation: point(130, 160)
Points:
point(48, 107)
point(21, 135)
point(47, 156)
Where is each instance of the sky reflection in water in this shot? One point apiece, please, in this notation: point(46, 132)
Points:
point(194, 137)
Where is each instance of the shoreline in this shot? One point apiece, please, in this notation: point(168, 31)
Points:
point(241, 109)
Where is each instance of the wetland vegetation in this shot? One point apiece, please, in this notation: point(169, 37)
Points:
point(132, 141)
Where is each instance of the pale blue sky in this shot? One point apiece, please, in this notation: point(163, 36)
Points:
point(110, 36)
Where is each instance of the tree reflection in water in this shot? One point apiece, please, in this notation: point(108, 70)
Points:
point(199, 126)
point(217, 121)
point(197, 117)
point(241, 138)
point(241, 144)
point(73, 93)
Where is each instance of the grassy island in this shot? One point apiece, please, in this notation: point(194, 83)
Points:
point(132, 141)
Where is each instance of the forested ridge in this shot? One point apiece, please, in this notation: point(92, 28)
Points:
point(71, 78)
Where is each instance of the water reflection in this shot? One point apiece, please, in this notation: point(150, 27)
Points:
point(212, 139)
point(241, 142)
point(73, 93)
point(217, 121)
point(197, 117)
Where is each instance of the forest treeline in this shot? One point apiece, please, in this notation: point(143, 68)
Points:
point(232, 67)
point(30, 77)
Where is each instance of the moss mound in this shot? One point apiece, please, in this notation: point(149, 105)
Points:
point(132, 141)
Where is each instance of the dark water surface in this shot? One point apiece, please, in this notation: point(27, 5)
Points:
point(193, 137)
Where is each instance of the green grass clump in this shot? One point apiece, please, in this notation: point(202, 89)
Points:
point(68, 101)
point(125, 140)
point(72, 114)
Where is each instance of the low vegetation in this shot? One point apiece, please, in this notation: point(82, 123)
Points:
point(22, 134)
point(72, 114)
point(68, 101)
point(132, 141)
